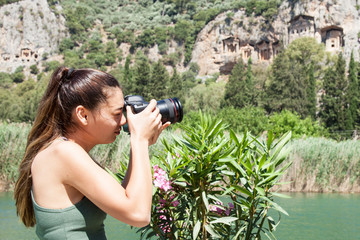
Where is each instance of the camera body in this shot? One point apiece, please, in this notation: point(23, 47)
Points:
point(170, 109)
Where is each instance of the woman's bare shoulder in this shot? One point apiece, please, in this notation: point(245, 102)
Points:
point(60, 153)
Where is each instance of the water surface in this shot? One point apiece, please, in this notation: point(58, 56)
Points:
point(312, 216)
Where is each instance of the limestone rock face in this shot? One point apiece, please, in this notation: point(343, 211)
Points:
point(28, 29)
point(232, 36)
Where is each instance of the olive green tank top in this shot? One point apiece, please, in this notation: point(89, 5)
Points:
point(81, 221)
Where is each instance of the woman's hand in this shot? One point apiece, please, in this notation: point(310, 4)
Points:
point(147, 124)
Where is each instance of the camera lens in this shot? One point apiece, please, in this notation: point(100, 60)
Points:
point(171, 110)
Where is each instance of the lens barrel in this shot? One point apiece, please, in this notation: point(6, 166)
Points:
point(170, 110)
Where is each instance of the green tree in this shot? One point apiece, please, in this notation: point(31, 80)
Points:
point(142, 75)
point(110, 53)
point(146, 38)
point(78, 22)
point(250, 87)
point(183, 29)
point(334, 109)
point(311, 93)
point(237, 92)
point(291, 84)
point(353, 93)
point(176, 87)
point(127, 81)
point(287, 88)
point(158, 81)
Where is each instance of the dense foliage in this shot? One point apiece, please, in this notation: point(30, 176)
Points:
point(302, 84)
point(209, 185)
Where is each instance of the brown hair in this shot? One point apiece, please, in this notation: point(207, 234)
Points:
point(67, 89)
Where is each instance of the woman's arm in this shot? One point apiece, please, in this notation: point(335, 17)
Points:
point(131, 201)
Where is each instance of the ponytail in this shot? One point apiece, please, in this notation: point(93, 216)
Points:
point(45, 129)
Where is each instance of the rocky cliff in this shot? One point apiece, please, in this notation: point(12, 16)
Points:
point(232, 35)
point(28, 29)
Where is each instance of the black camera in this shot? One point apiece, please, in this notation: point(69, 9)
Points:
point(170, 109)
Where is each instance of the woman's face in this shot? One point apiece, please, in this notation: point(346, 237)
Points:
point(106, 120)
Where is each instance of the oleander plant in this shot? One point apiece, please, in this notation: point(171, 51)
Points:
point(210, 183)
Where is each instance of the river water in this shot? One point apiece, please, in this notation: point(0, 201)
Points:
point(312, 216)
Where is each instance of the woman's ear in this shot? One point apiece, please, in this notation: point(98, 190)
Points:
point(81, 114)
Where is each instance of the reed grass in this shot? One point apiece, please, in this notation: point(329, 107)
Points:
point(13, 137)
point(12, 146)
point(333, 166)
point(330, 165)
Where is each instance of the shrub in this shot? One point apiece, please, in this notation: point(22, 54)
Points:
point(34, 69)
point(51, 66)
point(18, 76)
point(66, 44)
point(5, 80)
point(205, 97)
point(209, 185)
point(286, 121)
point(248, 119)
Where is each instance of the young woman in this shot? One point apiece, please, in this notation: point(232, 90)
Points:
point(60, 188)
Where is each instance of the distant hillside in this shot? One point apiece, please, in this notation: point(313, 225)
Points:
point(212, 34)
point(165, 30)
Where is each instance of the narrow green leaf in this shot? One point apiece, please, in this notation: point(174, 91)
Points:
point(225, 220)
point(262, 161)
point(227, 173)
point(243, 190)
point(214, 198)
point(219, 147)
point(210, 230)
point(227, 191)
point(275, 206)
point(183, 184)
point(270, 177)
point(260, 190)
point(236, 237)
point(248, 166)
point(280, 195)
point(238, 167)
point(205, 200)
point(234, 137)
point(196, 230)
point(280, 144)
point(227, 159)
point(270, 139)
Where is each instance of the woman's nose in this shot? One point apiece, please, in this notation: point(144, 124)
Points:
point(123, 120)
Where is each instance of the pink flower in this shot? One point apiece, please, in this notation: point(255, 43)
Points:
point(216, 208)
point(212, 208)
point(161, 179)
point(175, 203)
point(227, 211)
